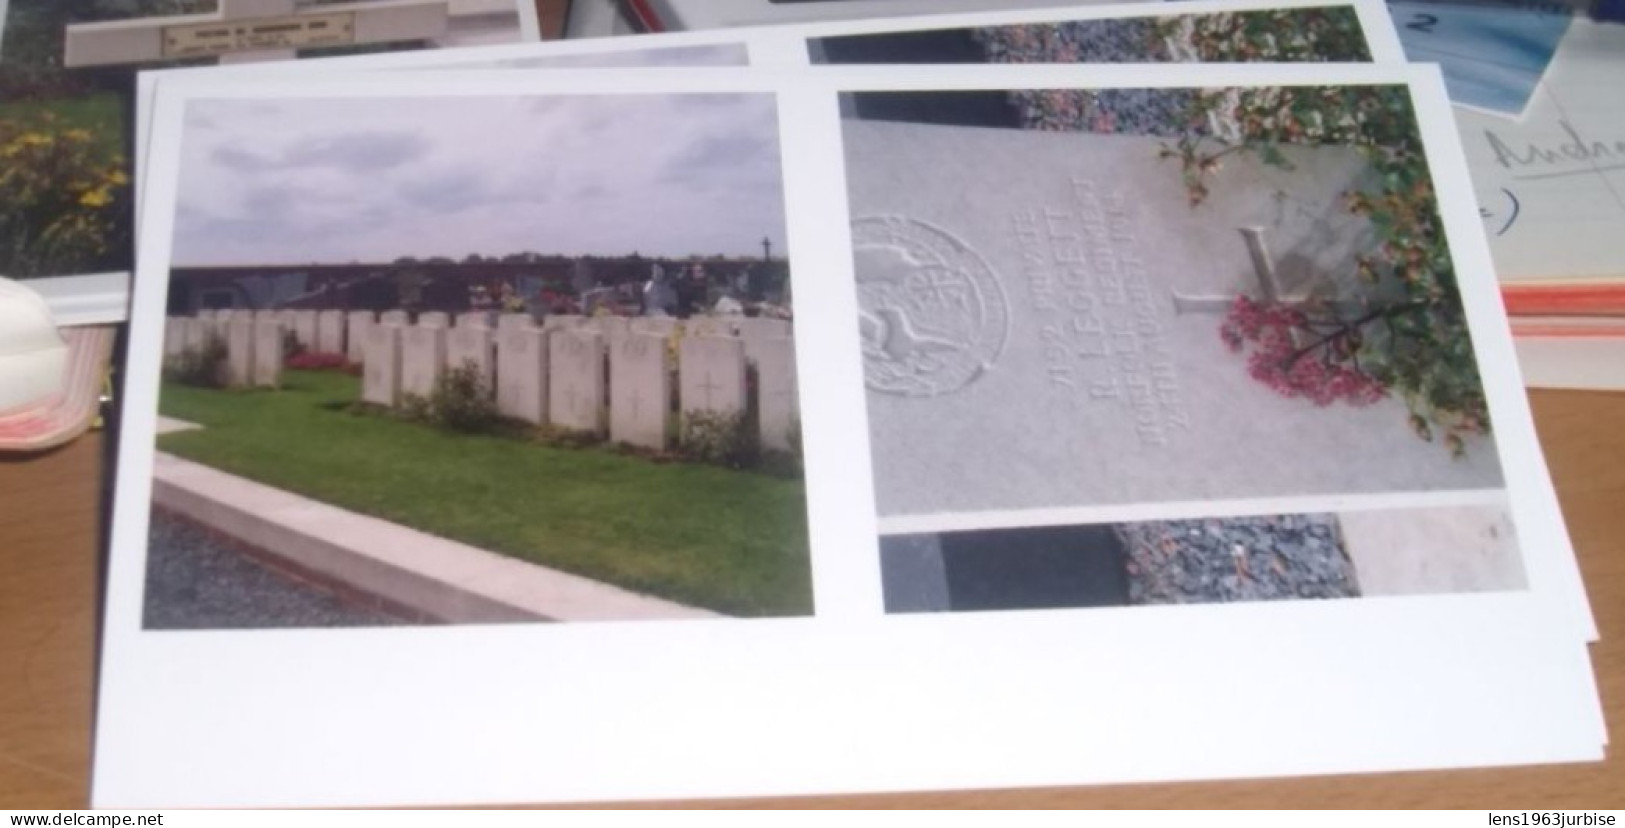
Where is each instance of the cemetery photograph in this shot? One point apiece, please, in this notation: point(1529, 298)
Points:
point(1078, 298)
point(67, 97)
point(1205, 561)
point(529, 359)
point(1310, 34)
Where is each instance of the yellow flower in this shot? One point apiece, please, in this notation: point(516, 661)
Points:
point(98, 197)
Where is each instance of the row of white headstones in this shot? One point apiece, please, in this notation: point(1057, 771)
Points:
point(553, 373)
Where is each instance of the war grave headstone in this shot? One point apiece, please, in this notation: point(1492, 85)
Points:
point(639, 390)
point(199, 332)
point(357, 323)
point(394, 317)
point(304, 329)
point(330, 332)
point(576, 379)
point(268, 351)
point(611, 326)
point(175, 336)
point(472, 345)
point(423, 358)
point(711, 374)
point(777, 411)
point(434, 319)
point(522, 362)
point(1038, 323)
point(240, 351)
point(381, 360)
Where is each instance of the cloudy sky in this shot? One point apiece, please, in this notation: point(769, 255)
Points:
point(340, 180)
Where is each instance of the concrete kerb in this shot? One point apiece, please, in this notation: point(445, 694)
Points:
point(441, 578)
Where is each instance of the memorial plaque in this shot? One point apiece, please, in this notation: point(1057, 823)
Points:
point(214, 39)
point(522, 373)
point(576, 379)
point(639, 390)
point(1040, 319)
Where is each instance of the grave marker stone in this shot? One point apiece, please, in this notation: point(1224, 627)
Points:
point(423, 359)
point(710, 326)
point(481, 319)
point(240, 352)
point(639, 390)
point(711, 375)
point(434, 319)
point(764, 328)
point(394, 317)
point(576, 379)
point(175, 336)
point(1026, 349)
point(657, 325)
point(304, 329)
point(357, 323)
point(515, 320)
point(522, 362)
point(381, 374)
point(472, 345)
point(330, 332)
point(268, 351)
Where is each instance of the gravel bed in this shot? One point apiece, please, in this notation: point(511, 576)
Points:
point(1124, 111)
point(1237, 559)
point(196, 582)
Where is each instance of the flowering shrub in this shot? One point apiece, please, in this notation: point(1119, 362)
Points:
point(1276, 35)
point(1407, 334)
point(202, 367)
point(64, 203)
point(462, 400)
point(719, 438)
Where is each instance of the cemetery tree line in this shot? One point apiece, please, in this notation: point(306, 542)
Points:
point(1406, 334)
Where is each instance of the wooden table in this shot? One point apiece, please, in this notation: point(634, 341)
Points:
point(49, 508)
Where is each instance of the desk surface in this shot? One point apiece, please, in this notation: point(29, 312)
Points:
point(48, 551)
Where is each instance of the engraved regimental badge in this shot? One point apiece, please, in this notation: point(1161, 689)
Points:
point(932, 314)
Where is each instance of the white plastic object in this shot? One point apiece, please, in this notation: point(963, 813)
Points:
point(33, 355)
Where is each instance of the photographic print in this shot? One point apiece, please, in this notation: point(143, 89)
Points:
point(1173, 295)
point(1204, 561)
point(1329, 34)
point(67, 96)
point(530, 358)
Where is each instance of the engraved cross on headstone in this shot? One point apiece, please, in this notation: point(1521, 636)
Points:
point(1269, 285)
point(708, 386)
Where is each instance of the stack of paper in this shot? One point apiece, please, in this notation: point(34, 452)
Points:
point(1049, 418)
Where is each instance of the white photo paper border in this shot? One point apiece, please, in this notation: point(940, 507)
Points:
point(848, 700)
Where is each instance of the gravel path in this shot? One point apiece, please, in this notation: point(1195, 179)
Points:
point(195, 582)
point(1237, 559)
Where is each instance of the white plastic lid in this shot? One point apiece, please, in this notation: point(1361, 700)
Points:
point(33, 355)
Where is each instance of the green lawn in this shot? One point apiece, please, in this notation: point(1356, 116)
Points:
point(734, 542)
point(100, 114)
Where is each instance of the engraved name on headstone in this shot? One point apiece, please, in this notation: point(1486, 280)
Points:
point(357, 323)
